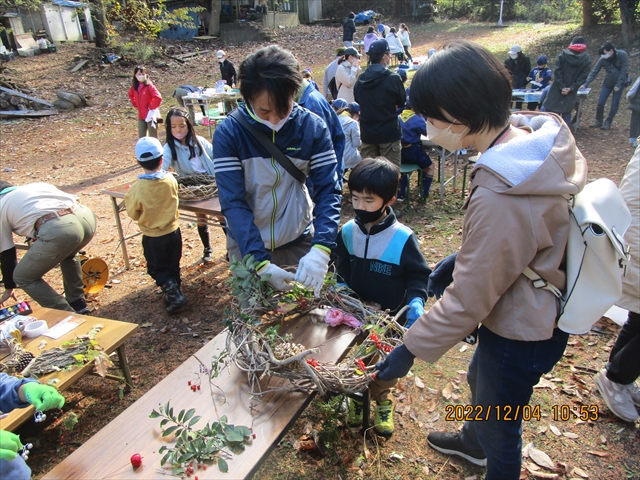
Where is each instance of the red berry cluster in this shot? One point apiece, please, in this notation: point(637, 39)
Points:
point(313, 362)
point(193, 385)
point(381, 346)
point(190, 470)
point(362, 365)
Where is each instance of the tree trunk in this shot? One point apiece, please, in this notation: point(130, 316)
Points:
point(587, 18)
point(99, 23)
point(397, 8)
point(629, 23)
point(214, 22)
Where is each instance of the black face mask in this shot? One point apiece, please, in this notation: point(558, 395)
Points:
point(369, 217)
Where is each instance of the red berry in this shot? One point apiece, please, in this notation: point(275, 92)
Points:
point(204, 466)
point(198, 387)
point(136, 460)
point(189, 382)
point(196, 477)
point(254, 435)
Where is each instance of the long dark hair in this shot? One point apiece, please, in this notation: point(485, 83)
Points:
point(192, 139)
point(135, 82)
point(404, 26)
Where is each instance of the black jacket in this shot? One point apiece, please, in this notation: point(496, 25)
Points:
point(348, 29)
point(379, 91)
point(519, 69)
point(616, 69)
point(571, 70)
point(228, 72)
point(385, 265)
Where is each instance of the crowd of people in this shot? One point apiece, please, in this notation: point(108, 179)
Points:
point(280, 161)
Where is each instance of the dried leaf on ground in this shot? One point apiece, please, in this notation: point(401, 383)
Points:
point(447, 391)
point(555, 430)
point(570, 435)
point(541, 458)
point(419, 383)
point(579, 472)
point(598, 453)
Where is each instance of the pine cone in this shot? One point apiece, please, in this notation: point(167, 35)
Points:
point(19, 358)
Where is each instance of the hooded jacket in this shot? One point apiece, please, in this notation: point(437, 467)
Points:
point(348, 29)
point(519, 69)
point(352, 140)
point(629, 187)
point(616, 70)
point(346, 76)
point(379, 91)
point(571, 70)
point(228, 72)
point(265, 207)
point(369, 38)
point(516, 216)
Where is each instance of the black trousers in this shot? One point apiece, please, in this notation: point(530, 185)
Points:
point(624, 359)
point(163, 256)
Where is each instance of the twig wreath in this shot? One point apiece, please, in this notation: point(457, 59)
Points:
point(254, 346)
point(199, 186)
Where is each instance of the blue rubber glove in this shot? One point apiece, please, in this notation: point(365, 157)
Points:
point(416, 308)
point(442, 276)
point(396, 365)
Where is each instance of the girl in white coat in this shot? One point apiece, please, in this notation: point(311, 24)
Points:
point(347, 74)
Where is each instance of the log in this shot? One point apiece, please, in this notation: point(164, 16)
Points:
point(63, 105)
point(28, 113)
point(79, 65)
point(22, 95)
point(70, 97)
point(4, 104)
point(16, 101)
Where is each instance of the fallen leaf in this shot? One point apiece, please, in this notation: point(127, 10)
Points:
point(579, 472)
point(525, 450)
point(544, 475)
point(464, 348)
point(543, 383)
point(555, 430)
point(115, 282)
point(598, 453)
point(419, 383)
point(147, 324)
point(447, 391)
point(541, 430)
point(541, 458)
point(570, 435)
point(102, 363)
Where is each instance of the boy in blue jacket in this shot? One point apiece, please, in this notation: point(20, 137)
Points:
point(380, 260)
point(539, 77)
point(413, 126)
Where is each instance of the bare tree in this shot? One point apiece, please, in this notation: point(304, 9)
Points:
point(587, 9)
point(629, 21)
point(214, 22)
point(99, 23)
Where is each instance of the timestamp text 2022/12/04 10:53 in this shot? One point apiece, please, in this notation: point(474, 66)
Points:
point(562, 413)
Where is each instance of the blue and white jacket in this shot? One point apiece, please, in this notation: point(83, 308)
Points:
point(384, 265)
point(182, 164)
point(265, 207)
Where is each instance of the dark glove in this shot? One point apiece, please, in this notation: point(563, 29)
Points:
point(442, 276)
point(396, 365)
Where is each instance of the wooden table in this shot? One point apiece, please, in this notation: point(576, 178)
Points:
point(209, 207)
point(523, 95)
point(107, 453)
point(112, 337)
point(230, 101)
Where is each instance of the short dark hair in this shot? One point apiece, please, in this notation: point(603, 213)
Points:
point(352, 15)
point(442, 85)
point(4, 184)
point(392, 30)
point(578, 39)
point(151, 164)
point(375, 175)
point(370, 30)
point(607, 46)
point(272, 70)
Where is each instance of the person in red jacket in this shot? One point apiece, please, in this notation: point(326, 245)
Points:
point(145, 97)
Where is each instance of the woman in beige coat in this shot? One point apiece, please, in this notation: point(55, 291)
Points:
point(347, 74)
point(516, 216)
point(616, 381)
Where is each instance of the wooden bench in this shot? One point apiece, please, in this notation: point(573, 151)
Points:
point(107, 454)
point(112, 337)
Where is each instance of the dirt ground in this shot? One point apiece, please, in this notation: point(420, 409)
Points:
point(88, 150)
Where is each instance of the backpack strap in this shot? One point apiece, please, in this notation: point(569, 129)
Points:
point(539, 282)
point(270, 147)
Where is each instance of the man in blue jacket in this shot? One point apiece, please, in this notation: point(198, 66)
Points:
point(269, 212)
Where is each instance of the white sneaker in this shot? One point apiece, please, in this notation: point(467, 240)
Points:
point(617, 397)
point(635, 393)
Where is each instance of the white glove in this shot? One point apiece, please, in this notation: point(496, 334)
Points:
point(312, 269)
point(279, 278)
point(153, 116)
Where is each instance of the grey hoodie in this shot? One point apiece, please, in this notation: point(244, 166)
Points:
point(571, 70)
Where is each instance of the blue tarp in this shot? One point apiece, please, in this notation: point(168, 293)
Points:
point(69, 3)
point(365, 16)
point(177, 32)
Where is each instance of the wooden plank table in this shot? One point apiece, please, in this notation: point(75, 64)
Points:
point(209, 207)
point(107, 453)
point(523, 95)
point(112, 337)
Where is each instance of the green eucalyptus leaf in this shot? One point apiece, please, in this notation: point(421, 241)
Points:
point(223, 465)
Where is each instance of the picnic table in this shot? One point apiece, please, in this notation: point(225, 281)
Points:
point(525, 95)
point(111, 338)
point(188, 210)
point(229, 99)
point(107, 453)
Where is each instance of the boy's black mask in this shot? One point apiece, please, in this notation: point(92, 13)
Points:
point(369, 217)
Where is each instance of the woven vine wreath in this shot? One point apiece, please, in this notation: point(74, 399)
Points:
point(197, 187)
point(254, 346)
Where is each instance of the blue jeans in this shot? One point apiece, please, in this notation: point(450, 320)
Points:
point(615, 103)
point(502, 373)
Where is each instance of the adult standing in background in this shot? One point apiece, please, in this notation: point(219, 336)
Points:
point(616, 382)
point(616, 64)
point(347, 74)
point(57, 227)
point(519, 66)
point(379, 92)
point(329, 89)
point(348, 30)
point(403, 35)
point(227, 70)
point(570, 71)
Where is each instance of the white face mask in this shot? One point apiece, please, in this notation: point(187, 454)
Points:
point(179, 136)
point(513, 55)
point(141, 78)
point(445, 138)
point(606, 55)
point(221, 60)
point(272, 126)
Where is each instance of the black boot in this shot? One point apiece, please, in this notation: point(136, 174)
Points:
point(174, 297)
point(203, 231)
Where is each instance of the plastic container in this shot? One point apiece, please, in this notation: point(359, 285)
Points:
point(35, 329)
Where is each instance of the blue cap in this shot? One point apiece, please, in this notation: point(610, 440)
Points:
point(542, 60)
point(380, 27)
point(379, 47)
point(354, 107)
point(339, 103)
point(403, 73)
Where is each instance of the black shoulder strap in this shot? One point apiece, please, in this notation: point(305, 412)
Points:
point(270, 147)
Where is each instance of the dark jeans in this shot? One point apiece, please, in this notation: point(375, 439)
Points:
point(502, 374)
point(624, 359)
point(163, 256)
point(634, 127)
point(615, 103)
